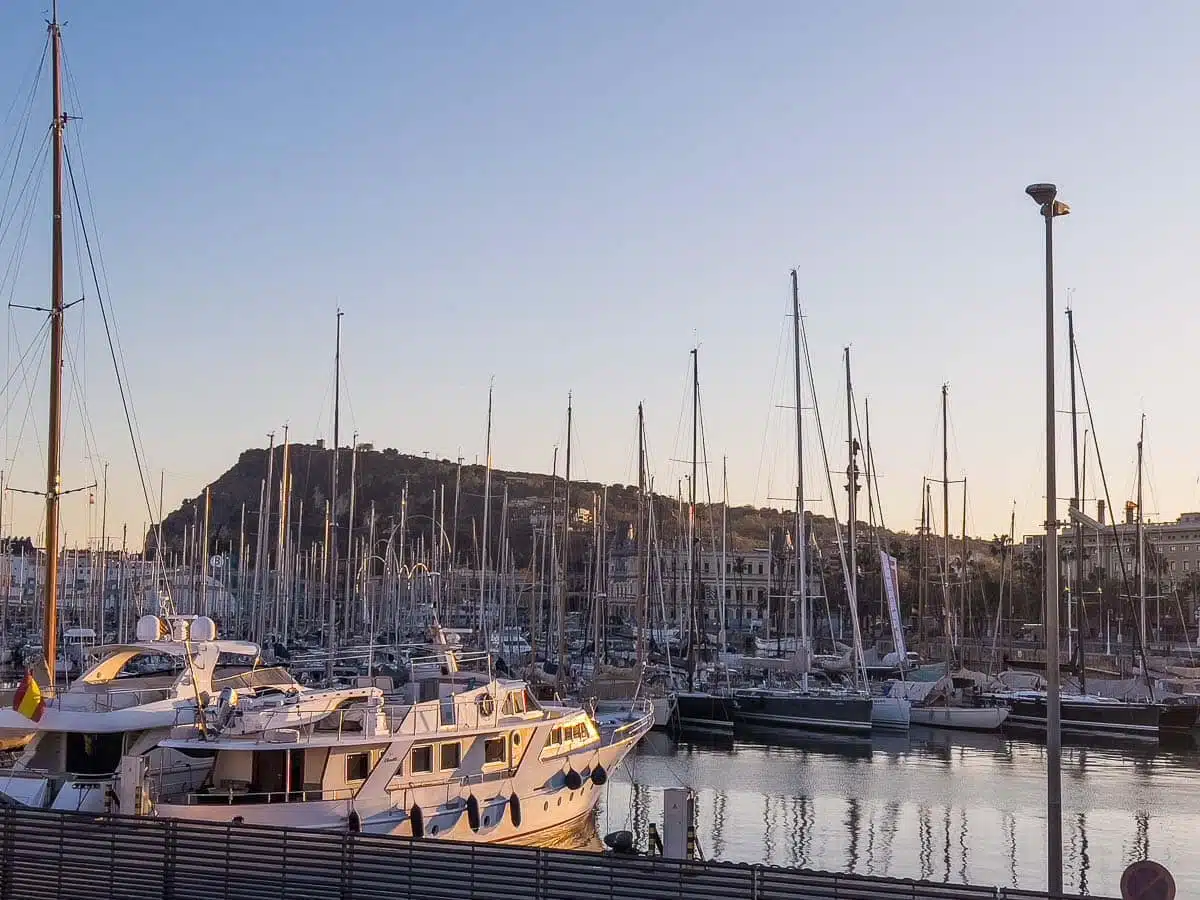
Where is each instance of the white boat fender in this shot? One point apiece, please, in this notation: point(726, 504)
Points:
point(418, 821)
point(599, 776)
point(473, 812)
point(514, 810)
point(573, 780)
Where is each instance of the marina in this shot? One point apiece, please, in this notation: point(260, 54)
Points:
point(355, 671)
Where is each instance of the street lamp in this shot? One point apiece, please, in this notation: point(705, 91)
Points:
point(1044, 196)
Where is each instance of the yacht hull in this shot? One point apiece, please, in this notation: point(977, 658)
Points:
point(848, 714)
point(959, 718)
point(699, 711)
point(544, 803)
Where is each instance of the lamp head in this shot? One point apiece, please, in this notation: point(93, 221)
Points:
point(1042, 193)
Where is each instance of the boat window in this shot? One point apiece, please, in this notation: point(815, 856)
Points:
point(422, 760)
point(358, 766)
point(555, 736)
point(94, 754)
point(580, 731)
point(451, 755)
point(495, 750)
point(514, 703)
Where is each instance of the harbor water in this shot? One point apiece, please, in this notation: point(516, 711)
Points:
point(940, 806)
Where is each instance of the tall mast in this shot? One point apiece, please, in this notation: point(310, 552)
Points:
point(1076, 595)
point(281, 548)
point(1141, 537)
point(691, 557)
point(852, 505)
point(347, 613)
point(963, 605)
point(724, 534)
point(566, 556)
point(487, 515)
point(800, 538)
point(331, 515)
point(923, 564)
point(642, 603)
point(54, 447)
point(946, 528)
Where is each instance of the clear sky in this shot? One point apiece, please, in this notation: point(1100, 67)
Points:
point(567, 196)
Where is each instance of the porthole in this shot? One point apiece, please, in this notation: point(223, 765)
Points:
point(560, 801)
point(546, 806)
point(572, 797)
point(516, 738)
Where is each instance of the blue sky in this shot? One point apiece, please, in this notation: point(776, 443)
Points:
point(569, 196)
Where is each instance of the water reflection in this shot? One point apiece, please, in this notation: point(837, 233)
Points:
point(930, 805)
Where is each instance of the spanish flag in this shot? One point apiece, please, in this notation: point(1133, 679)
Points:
point(28, 699)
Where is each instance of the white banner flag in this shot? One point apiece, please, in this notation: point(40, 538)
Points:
point(891, 584)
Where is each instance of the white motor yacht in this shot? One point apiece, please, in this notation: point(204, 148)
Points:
point(121, 707)
point(465, 756)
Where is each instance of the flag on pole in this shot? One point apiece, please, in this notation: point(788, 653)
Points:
point(28, 699)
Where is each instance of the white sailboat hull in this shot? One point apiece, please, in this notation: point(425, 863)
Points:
point(663, 707)
point(891, 713)
point(965, 718)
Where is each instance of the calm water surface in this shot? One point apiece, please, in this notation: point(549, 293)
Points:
point(930, 805)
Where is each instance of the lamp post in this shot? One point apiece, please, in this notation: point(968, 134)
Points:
point(1044, 196)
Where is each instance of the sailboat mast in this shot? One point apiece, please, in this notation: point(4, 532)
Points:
point(923, 563)
point(799, 540)
point(487, 515)
point(852, 502)
point(54, 444)
point(1141, 538)
point(331, 514)
point(566, 556)
point(1076, 595)
point(347, 613)
point(691, 558)
point(642, 604)
point(946, 525)
point(724, 557)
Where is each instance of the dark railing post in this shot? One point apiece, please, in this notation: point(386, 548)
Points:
point(170, 848)
point(6, 858)
point(346, 889)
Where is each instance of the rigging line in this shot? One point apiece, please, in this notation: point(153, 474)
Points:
point(20, 362)
point(771, 411)
point(29, 199)
point(869, 458)
point(18, 140)
point(851, 585)
point(91, 446)
point(75, 137)
point(29, 405)
point(1135, 614)
point(125, 400)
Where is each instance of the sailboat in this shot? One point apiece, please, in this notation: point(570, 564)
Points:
point(807, 708)
point(946, 703)
point(711, 709)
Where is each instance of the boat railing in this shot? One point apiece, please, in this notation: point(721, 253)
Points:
point(231, 795)
point(104, 701)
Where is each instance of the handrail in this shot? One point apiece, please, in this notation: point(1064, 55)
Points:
point(239, 798)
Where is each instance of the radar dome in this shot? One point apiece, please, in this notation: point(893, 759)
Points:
point(150, 628)
point(204, 629)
